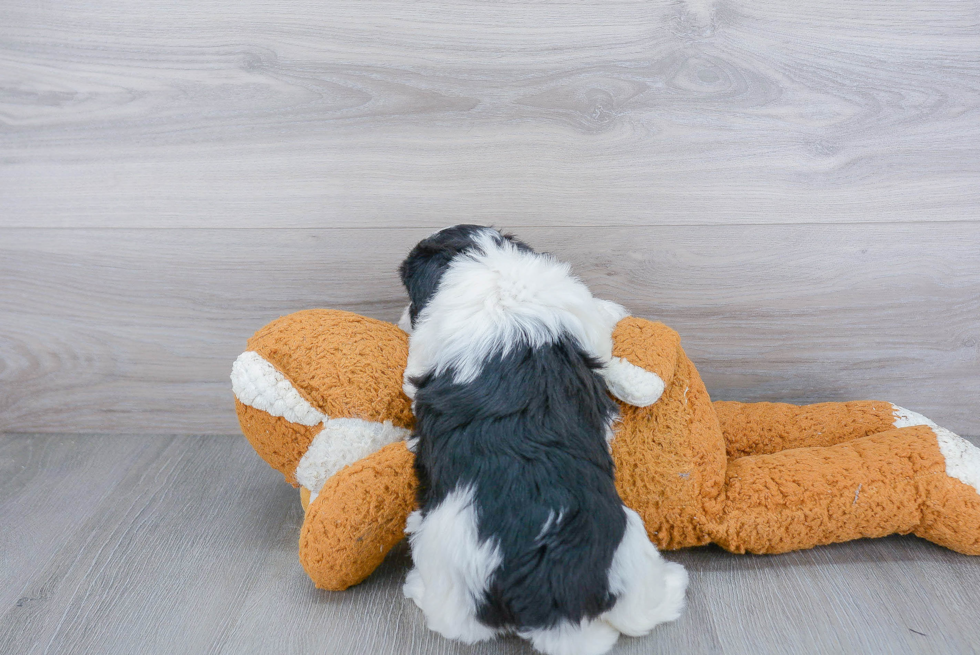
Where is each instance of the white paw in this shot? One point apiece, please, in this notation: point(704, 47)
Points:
point(414, 588)
point(649, 590)
point(586, 638)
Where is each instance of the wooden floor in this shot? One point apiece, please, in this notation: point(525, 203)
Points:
point(161, 544)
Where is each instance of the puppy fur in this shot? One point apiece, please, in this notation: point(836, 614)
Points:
point(520, 529)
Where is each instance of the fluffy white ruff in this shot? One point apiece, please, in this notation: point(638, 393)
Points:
point(258, 384)
point(341, 442)
point(650, 591)
point(496, 295)
point(962, 457)
point(633, 385)
point(452, 567)
point(489, 299)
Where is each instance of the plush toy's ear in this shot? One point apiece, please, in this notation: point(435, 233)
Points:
point(644, 357)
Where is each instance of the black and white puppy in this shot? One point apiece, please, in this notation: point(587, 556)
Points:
point(520, 529)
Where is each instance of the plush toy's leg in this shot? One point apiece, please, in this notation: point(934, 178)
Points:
point(357, 517)
point(919, 479)
point(763, 428)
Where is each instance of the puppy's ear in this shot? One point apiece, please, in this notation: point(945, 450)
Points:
point(517, 242)
point(417, 281)
point(407, 269)
point(424, 266)
point(422, 270)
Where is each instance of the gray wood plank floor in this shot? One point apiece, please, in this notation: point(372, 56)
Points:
point(162, 544)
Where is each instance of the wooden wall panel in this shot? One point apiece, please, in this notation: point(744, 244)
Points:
point(339, 114)
point(796, 188)
point(135, 330)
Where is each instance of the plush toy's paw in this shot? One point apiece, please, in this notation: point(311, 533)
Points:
point(632, 384)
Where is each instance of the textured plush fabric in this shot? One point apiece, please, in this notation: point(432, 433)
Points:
point(762, 478)
point(357, 518)
point(670, 457)
point(280, 443)
point(762, 428)
point(345, 365)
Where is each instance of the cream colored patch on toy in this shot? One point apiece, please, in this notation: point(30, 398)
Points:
point(631, 384)
point(341, 442)
point(906, 418)
point(258, 384)
point(962, 457)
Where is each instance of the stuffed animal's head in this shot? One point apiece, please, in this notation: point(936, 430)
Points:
point(326, 381)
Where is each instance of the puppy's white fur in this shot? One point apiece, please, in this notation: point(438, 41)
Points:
point(492, 297)
point(452, 567)
point(650, 590)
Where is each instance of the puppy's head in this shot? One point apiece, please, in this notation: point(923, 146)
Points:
point(429, 259)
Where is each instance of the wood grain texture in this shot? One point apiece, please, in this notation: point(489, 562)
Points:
point(795, 189)
point(391, 113)
point(135, 330)
point(189, 545)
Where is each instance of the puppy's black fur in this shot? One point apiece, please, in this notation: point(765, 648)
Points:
point(529, 436)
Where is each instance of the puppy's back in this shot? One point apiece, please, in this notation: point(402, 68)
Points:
point(527, 438)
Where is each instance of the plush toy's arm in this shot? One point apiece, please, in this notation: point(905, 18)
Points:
point(644, 357)
point(631, 384)
point(358, 516)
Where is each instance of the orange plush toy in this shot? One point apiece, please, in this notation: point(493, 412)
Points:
point(319, 397)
